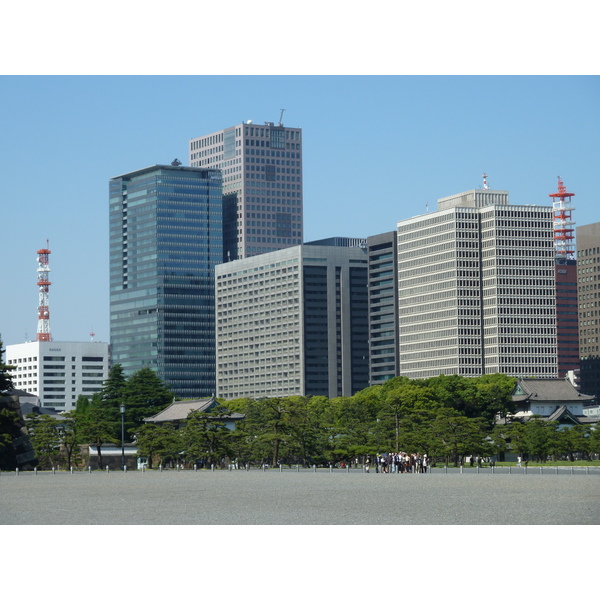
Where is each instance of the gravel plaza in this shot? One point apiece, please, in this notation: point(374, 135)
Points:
point(301, 497)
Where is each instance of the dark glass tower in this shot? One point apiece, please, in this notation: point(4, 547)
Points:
point(166, 237)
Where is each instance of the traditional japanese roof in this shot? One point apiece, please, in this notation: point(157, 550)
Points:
point(559, 391)
point(562, 413)
point(181, 409)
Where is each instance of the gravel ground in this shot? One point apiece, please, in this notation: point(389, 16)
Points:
point(298, 498)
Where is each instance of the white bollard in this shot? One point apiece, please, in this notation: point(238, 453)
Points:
point(35, 470)
point(17, 471)
point(124, 468)
point(90, 470)
point(107, 468)
point(71, 470)
point(53, 471)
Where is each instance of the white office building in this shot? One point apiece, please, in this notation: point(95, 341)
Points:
point(293, 322)
point(58, 372)
point(476, 289)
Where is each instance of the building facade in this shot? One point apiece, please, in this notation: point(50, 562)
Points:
point(567, 321)
point(165, 240)
point(293, 322)
point(588, 281)
point(262, 185)
point(383, 308)
point(58, 372)
point(476, 289)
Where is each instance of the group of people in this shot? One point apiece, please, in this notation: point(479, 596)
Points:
point(399, 462)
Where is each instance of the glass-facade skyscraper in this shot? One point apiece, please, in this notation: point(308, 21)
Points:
point(166, 236)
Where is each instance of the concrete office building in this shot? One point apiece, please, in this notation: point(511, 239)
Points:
point(293, 322)
point(165, 240)
point(588, 281)
point(383, 308)
point(476, 289)
point(262, 185)
point(58, 372)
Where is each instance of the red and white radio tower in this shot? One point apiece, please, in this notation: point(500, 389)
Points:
point(43, 330)
point(564, 244)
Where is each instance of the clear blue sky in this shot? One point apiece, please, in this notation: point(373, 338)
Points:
point(377, 149)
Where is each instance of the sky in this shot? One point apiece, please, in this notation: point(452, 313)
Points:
point(376, 150)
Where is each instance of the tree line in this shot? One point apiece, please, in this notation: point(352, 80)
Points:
point(446, 417)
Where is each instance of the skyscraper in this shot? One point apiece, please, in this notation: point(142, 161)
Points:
point(383, 307)
point(293, 322)
point(476, 289)
point(165, 240)
point(588, 282)
point(262, 185)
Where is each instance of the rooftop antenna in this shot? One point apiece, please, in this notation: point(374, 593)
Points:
point(485, 183)
point(281, 117)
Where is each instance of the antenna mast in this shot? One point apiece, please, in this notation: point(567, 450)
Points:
point(563, 225)
point(43, 330)
point(281, 117)
point(485, 183)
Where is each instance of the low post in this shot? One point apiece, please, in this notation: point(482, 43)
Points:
point(17, 471)
point(572, 471)
point(212, 468)
point(477, 469)
point(280, 467)
point(89, 469)
point(541, 471)
point(314, 468)
point(347, 469)
point(525, 470)
point(331, 468)
point(160, 468)
point(247, 466)
point(195, 467)
point(509, 471)
point(71, 470)
point(53, 470)
point(461, 468)
point(297, 468)
point(35, 470)
point(556, 470)
point(445, 468)
point(107, 468)
point(587, 470)
point(124, 468)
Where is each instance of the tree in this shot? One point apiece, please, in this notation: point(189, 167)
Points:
point(162, 441)
point(68, 433)
point(8, 418)
point(204, 437)
point(458, 435)
point(94, 429)
point(144, 394)
point(6, 382)
point(43, 432)
point(113, 392)
point(494, 397)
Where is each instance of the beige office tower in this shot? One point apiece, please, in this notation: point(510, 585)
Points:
point(588, 283)
point(262, 185)
point(293, 322)
point(476, 289)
